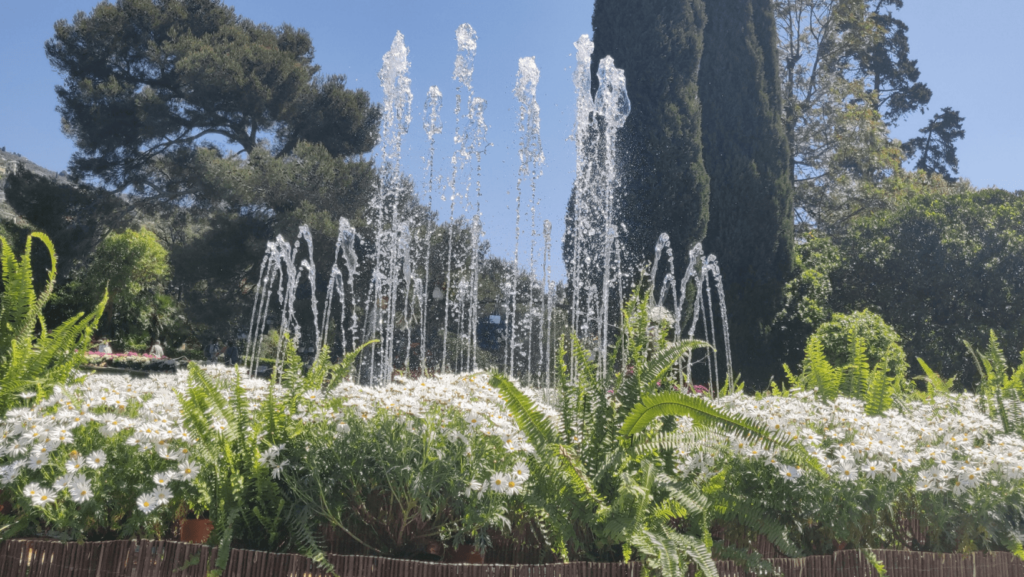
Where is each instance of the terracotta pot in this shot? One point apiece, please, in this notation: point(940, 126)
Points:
point(195, 530)
point(466, 553)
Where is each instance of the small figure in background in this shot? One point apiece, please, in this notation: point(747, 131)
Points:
point(230, 353)
point(104, 347)
point(156, 350)
point(211, 351)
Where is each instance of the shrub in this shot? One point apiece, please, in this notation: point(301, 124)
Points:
point(880, 341)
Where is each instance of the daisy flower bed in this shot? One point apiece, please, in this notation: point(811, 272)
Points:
point(937, 475)
point(399, 467)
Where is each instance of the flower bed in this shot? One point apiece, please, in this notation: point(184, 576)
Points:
point(115, 455)
point(420, 464)
point(939, 475)
point(130, 361)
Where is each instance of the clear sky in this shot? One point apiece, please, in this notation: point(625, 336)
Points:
point(969, 54)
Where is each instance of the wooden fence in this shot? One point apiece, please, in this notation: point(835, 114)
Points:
point(35, 558)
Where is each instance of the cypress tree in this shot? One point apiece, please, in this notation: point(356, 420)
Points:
point(750, 226)
point(657, 43)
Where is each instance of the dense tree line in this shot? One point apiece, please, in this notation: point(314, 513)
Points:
point(758, 124)
point(759, 128)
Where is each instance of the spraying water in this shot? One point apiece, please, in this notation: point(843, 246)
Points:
point(531, 157)
point(432, 126)
point(391, 234)
point(395, 287)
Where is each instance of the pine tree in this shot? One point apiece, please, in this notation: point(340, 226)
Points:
point(750, 226)
point(664, 184)
point(937, 146)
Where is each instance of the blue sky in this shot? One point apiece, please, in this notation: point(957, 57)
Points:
point(968, 56)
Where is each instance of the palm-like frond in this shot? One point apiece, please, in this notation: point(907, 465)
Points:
point(880, 390)
point(856, 374)
point(655, 369)
point(934, 383)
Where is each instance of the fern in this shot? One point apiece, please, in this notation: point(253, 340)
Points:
point(857, 373)
point(934, 383)
point(999, 391)
point(33, 358)
point(531, 421)
point(698, 409)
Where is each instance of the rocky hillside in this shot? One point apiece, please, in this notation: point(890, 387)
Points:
point(11, 162)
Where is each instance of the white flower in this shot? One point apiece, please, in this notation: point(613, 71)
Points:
point(39, 461)
point(31, 490)
point(873, 468)
point(790, 473)
point(44, 497)
point(969, 479)
point(521, 471)
point(146, 502)
point(276, 471)
point(847, 471)
point(343, 428)
point(187, 471)
point(162, 479)
point(81, 490)
point(74, 464)
point(96, 459)
point(162, 495)
point(65, 481)
point(513, 486)
point(498, 482)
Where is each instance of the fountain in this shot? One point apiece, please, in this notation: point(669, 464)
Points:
point(399, 286)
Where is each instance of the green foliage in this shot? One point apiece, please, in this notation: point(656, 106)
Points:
point(145, 81)
point(1000, 389)
point(846, 75)
point(603, 482)
point(807, 301)
point(750, 225)
point(147, 84)
point(881, 343)
point(664, 183)
point(75, 217)
point(942, 265)
point(132, 267)
point(395, 483)
point(857, 379)
point(239, 483)
point(32, 358)
point(937, 145)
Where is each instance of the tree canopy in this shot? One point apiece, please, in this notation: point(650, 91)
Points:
point(147, 80)
point(937, 144)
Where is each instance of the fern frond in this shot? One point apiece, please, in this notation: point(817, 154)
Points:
point(654, 369)
point(752, 561)
point(744, 512)
point(531, 422)
point(687, 495)
point(703, 414)
point(670, 552)
point(880, 390)
point(857, 373)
